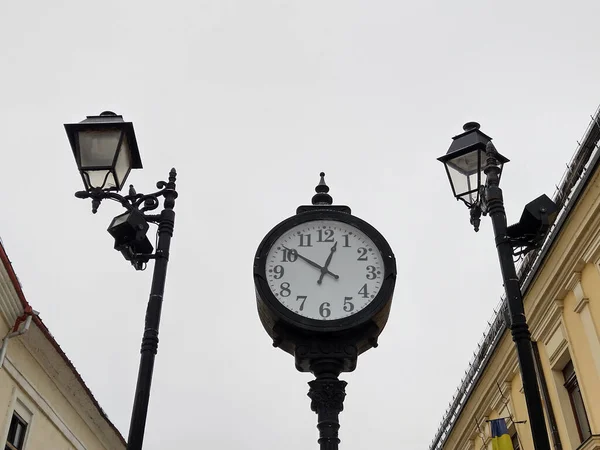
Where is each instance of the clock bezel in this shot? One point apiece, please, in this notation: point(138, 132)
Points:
point(304, 323)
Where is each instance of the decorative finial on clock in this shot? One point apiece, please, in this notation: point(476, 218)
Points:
point(322, 197)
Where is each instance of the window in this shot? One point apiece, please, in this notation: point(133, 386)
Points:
point(16, 433)
point(515, 441)
point(572, 386)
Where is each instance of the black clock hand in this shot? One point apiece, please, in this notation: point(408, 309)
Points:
point(324, 269)
point(312, 263)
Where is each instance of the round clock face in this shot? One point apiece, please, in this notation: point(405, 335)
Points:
point(324, 270)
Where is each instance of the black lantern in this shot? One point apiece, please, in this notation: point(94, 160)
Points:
point(129, 230)
point(465, 162)
point(105, 149)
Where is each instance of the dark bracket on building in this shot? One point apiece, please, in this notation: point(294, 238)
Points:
point(529, 233)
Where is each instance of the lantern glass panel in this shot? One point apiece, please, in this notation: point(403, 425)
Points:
point(123, 162)
point(98, 148)
point(466, 172)
point(99, 179)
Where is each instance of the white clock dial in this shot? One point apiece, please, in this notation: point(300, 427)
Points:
point(324, 270)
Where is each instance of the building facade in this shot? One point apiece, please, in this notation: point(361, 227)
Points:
point(561, 287)
point(44, 403)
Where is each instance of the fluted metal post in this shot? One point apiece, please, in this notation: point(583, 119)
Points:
point(327, 393)
point(518, 324)
point(149, 348)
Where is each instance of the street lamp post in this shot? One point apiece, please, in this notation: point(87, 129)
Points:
point(105, 149)
point(471, 156)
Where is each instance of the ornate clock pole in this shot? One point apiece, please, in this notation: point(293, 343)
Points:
point(324, 283)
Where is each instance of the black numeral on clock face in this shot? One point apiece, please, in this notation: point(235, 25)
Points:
point(305, 240)
point(362, 254)
point(285, 289)
point(290, 255)
point(363, 291)
point(278, 271)
point(348, 305)
point(371, 273)
point(327, 234)
point(303, 298)
point(346, 241)
point(324, 310)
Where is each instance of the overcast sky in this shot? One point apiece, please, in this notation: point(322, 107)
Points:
point(250, 100)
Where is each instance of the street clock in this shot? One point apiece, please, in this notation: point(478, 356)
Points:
point(324, 282)
point(324, 273)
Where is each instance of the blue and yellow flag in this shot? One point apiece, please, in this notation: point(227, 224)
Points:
point(500, 437)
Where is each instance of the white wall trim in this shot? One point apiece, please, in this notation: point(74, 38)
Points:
point(23, 407)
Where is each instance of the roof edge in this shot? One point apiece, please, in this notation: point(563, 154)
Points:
point(44, 329)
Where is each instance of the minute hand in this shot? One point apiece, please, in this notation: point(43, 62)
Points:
point(312, 263)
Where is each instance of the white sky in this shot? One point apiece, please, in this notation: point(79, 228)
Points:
point(250, 100)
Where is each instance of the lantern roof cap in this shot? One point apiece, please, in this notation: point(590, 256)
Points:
point(106, 120)
point(471, 139)
point(104, 117)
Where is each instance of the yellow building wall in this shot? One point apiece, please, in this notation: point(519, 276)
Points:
point(519, 412)
point(590, 278)
point(5, 386)
point(559, 400)
point(582, 357)
point(5, 397)
point(590, 363)
point(43, 432)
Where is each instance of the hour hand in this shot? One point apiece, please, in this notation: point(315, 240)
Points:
point(325, 268)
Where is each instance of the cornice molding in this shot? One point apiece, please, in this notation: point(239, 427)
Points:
point(581, 304)
point(553, 326)
point(473, 433)
point(571, 282)
point(592, 443)
point(580, 298)
point(558, 351)
point(502, 397)
point(564, 272)
point(592, 254)
point(549, 321)
point(513, 369)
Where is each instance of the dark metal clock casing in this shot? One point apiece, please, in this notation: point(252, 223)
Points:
point(289, 329)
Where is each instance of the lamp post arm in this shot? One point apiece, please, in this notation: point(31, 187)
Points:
point(518, 324)
point(149, 348)
point(133, 200)
point(97, 195)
